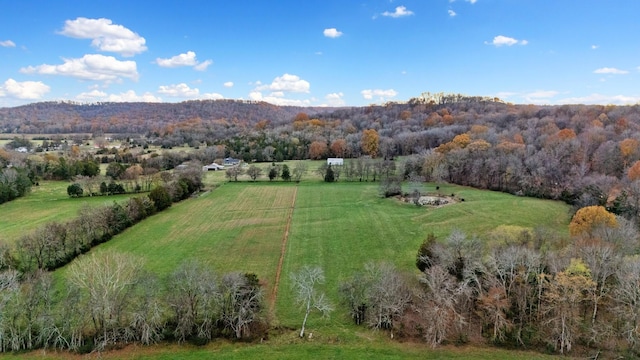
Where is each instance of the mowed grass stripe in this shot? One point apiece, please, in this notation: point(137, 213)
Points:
point(233, 228)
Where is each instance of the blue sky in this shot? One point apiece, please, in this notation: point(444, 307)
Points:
point(313, 53)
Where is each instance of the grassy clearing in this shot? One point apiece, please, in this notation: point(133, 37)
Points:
point(45, 203)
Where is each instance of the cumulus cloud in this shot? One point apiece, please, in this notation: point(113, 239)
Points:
point(501, 40)
point(228, 84)
point(287, 83)
point(399, 12)
point(183, 90)
point(105, 35)
point(332, 33)
point(602, 100)
point(25, 90)
point(203, 65)
point(335, 99)
point(7, 43)
point(273, 98)
point(382, 95)
point(594, 47)
point(608, 70)
point(452, 13)
point(128, 96)
point(187, 59)
point(89, 67)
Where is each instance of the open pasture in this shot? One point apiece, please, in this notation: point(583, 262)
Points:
point(340, 226)
point(45, 203)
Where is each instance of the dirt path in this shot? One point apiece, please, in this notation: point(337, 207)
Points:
point(283, 250)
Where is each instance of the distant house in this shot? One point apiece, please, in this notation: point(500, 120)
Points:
point(212, 167)
point(335, 161)
point(231, 161)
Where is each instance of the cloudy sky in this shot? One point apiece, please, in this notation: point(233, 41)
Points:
point(319, 52)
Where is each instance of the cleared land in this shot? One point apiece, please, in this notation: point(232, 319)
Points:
point(339, 226)
point(46, 203)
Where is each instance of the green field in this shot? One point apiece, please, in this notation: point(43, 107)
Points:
point(340, 226)
point(46, 203)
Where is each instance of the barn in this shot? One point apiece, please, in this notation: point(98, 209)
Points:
point(335, 161)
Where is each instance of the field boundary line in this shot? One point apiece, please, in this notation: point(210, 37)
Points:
point(283, 250)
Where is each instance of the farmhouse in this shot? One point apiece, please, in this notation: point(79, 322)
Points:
point(335, 161)
point(212, 167)
point(231, 161)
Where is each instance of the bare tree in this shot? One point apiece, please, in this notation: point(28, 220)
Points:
point(305, 284)
point(254, 172)
point(299, 169)
point(193, 295)
point(627, 300)
point(106, 281)
point(241, 302)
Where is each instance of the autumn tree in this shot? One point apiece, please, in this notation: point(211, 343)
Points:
point(339, 148)
point(633, 173)
point(588, 218)
point(370, 142)
point(317, 150)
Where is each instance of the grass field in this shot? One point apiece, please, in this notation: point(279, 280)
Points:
point(339, 226)
point(46, 203)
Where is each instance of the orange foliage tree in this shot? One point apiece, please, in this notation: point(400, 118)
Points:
point(317, 150)
point(628, 148)
point(339, 147)
point(634, 171)
point(370, 142)
point(590, 217)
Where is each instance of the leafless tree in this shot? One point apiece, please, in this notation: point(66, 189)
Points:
point(305, 283)
point(106, 281)
point(241, 302)
point(299, 169)
point(193, 295)
point(627, 300)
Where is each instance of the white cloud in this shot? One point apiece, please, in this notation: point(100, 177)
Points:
point(276, 100)
point(105, 35)
point(602, 100)
point(228, 84)
point(26, 90)
point(501, 40)
point(332, 33)
point(287, 83)
point(183, 90)
point(203, 65)
point(594, 47)
point(399, 12)
point(335, 99)
point(187, 59)
point(7, 43)
point(128, 96)
point(382, 95)
point(607, 70)
point(472, 1)
point(540, 96)
point(89, 67)
point(452, 13)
